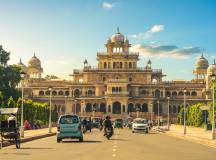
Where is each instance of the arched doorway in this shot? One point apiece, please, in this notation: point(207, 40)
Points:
point(88, 107)
point(130, 107)
point(155, 108)
point(78, 108)
point(144, 108)
point(116, 108)
point(103, 108)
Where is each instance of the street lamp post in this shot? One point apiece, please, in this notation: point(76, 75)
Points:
point(168, 117)
point(75, 105)
point(158, 113)
point(50, 110)
point(213, 76)
point(185, 110)
point(137, 110)
point(22, 74)
point(151, 112)
point(65, 104)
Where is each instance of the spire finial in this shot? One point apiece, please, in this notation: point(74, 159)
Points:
point(20, 61)
point(34, 55)
point(117, 29)
point(214, 61)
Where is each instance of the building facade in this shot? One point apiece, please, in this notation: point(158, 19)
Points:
point(117, 85)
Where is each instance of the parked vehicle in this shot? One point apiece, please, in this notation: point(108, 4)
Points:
point(140, 125)
point(118, 123)
point(9, 130)
point(69, 126)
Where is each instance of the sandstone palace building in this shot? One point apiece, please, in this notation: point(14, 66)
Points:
point(117, 85)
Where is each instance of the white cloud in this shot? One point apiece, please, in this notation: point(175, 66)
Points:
point(156, 28)
point(166, 51)
point(148, 34)
point(107, 6)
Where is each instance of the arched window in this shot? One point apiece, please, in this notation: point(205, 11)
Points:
point(130, 65)
point(157, 93)
point(114, 64)
point(90, 92)
point(181, 93)
point(88, 107)
point(117, 89)
point(113, 89)
point(187, 93)
point(174, 93)
point(130, 107)
point(76, 93)
point(174, 109)
point(66, 93)
point(41, 93)
point(168, 93)
point(47, 92)
point(54, 93)
point(144, 108)
point(120, 64)
point(130, 79)
point(194, 93)
point(60, 93)
point(120, 89)
point(105, 65)
point(103, 108)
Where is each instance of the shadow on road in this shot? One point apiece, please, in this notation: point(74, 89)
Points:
point(117, 139)
point(87, 141)
point(33, 148)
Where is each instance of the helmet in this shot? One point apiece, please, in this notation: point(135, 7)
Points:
point(107, 117)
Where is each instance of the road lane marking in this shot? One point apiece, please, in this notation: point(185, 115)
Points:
point(114, 150)
point(113, 155)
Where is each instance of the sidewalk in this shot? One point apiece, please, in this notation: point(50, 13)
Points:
point(30, 135)
point(198, 135)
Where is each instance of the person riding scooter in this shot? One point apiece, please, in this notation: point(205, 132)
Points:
point(107, 125)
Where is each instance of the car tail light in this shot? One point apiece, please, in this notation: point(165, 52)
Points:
point(58, 128)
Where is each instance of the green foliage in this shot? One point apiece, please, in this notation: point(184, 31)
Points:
point(194, 115)
point(11, 103)
point(34, 111)
point(10, 76)
point(211, 111)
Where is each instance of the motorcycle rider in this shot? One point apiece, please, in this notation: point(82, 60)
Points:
point(107, 124)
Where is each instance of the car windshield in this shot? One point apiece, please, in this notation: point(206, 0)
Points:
point(141, 121)
point(69, 119)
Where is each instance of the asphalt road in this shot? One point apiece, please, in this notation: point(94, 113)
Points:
point(123, 146)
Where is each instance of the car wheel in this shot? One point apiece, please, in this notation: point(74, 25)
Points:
point(81, 139)
point(146, 131)
point(58, 140)
point(132, 131)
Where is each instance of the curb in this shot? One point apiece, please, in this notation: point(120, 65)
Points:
point(204, 142)
point(30, 139)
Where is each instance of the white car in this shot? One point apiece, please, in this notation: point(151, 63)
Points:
point(140, 125)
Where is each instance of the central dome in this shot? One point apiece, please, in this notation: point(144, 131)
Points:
point(202, 63)
point(34, 62)
point(117, 37)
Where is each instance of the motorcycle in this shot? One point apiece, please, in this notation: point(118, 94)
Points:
point(109, 133)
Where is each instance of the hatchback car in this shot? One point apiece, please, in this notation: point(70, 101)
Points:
point(69, 126)
point(140, 125)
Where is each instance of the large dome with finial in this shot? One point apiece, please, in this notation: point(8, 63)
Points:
point(202, 63)
point(34, 62)
point(212, 69)
point(117, 37)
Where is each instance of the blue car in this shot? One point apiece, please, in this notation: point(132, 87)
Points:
point(69, 126)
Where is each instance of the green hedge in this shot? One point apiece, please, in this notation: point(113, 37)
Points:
point(194, 115)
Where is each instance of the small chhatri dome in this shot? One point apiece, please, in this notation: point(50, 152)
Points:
point(202, 63)
point(22, 66)
point(34, 62)
point(212, 69)
point(117, 37)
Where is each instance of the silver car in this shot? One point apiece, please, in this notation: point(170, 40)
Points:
point(140, 125)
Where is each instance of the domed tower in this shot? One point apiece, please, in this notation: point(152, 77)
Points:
point(201, 66)
point(22, 66)
point(117, 55)
point(210, 71)
point(34, 67)
point(117, 43)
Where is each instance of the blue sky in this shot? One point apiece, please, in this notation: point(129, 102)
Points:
point(62, 33)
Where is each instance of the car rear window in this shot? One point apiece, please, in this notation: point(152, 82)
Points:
point(143, 121)
point(69, 119)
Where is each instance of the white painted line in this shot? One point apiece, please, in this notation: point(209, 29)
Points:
point(113, 155)
point(115, 146)
point(114, 150)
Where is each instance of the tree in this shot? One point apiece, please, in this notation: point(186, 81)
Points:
point(10, 77)
point(11, 103)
